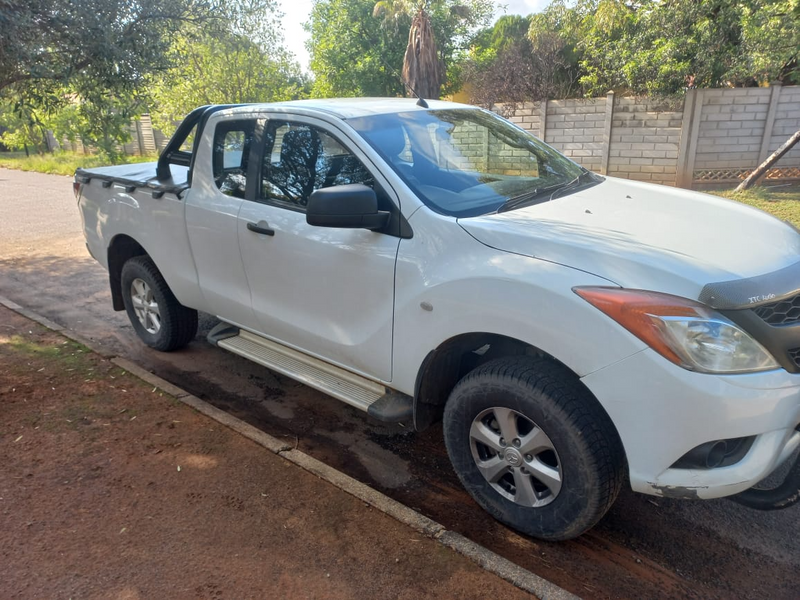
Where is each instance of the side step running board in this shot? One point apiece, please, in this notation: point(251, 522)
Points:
point(373, 398)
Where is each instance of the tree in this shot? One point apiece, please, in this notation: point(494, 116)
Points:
point(508, 66)
point(89, 68)
point(220, 68)
point(90, 60)
point(112, 42)
point(100, 121)
point(237, 58)
point(24, 126)
point(354, 53)
point(663, 46)
point(350, 56)
point(422, 67)
point(423, 71)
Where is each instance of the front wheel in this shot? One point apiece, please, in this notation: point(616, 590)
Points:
point(533, 448)
point(158, 318)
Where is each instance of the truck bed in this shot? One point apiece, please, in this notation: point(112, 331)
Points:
point(138, 175)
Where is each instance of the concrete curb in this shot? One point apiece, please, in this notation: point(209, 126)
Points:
point(503, 568)
point(383, 503)
point(483, 557)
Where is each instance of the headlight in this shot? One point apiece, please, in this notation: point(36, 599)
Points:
point(685, 332)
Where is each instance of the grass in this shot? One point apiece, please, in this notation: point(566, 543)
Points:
point(39, 366)
point(61, 163)
point(781, 201)
point(68, 353)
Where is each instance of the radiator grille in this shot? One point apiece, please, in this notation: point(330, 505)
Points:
point(784, 312)
point(794, 354)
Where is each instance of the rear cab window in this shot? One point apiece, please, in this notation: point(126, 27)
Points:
point(230, 155)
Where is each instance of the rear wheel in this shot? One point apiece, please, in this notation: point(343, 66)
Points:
point(158, 318)
point(533, 448)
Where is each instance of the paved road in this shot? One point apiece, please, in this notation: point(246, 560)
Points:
point(645, 547)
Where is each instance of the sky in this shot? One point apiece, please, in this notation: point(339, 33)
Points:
point(296, 13)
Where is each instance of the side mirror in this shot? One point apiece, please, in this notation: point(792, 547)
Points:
point(352, 206)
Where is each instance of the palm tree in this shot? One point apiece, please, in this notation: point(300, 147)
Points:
point(423, 70)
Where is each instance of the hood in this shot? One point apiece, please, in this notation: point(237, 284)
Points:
point(645, 236)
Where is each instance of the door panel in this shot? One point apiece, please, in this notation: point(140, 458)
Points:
point(326, 291)
point(212, 211)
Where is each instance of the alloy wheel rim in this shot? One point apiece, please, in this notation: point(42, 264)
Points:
point(145, 306)
point(516, 457)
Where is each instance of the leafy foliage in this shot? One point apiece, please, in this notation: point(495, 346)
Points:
point(112, 43)
point(357, 47)
point(24, 126)
point(508, 66)
point(85, 69)
point(657, 47)
point(213, 65)
point(351, 53)
point(663, 46)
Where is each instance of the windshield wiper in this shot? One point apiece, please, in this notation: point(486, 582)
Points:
point(529, 197)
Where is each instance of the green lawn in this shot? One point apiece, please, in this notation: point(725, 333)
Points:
point(60, 163)
point(782, 201)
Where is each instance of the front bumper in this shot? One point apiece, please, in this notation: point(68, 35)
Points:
point(662, 411)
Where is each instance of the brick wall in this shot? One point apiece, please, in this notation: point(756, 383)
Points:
point(528, 116)
point(472, 142)
point(480, 152)
point(731, 128)
point(645, 140)
point(576, 128)
point(710, 136)
point(787, 121)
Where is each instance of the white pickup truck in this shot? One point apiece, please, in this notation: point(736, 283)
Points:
point(435, 262)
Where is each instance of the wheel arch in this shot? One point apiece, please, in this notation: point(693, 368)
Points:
point(446, 365)
point(121, 249)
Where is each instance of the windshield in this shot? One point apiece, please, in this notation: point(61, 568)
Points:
point(467, 162)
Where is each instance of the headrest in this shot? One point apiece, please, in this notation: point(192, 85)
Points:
point(303, 144)
point(390, 141)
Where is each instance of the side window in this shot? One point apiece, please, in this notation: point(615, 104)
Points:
point(188, 143)
point(232, 140)
point(301, 158)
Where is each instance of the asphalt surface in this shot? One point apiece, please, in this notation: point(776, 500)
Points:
point(645, 547)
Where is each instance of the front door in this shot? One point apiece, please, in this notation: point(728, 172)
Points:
point(328, 292)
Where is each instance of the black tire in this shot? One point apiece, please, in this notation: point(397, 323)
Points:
point(587, 448)
point(178, 324)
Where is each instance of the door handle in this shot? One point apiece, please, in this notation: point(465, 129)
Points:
point(257, 227)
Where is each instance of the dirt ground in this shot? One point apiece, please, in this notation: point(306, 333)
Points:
point(111, 489)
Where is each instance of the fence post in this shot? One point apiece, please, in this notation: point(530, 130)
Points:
point(543, 120)
point(139, 140)
point(148, 137)
point(690, 126)
point(607, 133)
point(770, 122)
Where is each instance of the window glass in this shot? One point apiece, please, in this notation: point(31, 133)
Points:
point(188, 143)
point(301, 158)
point(232, 141)
point(467, 162)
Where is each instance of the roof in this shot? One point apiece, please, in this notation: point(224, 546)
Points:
point(348, 108)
